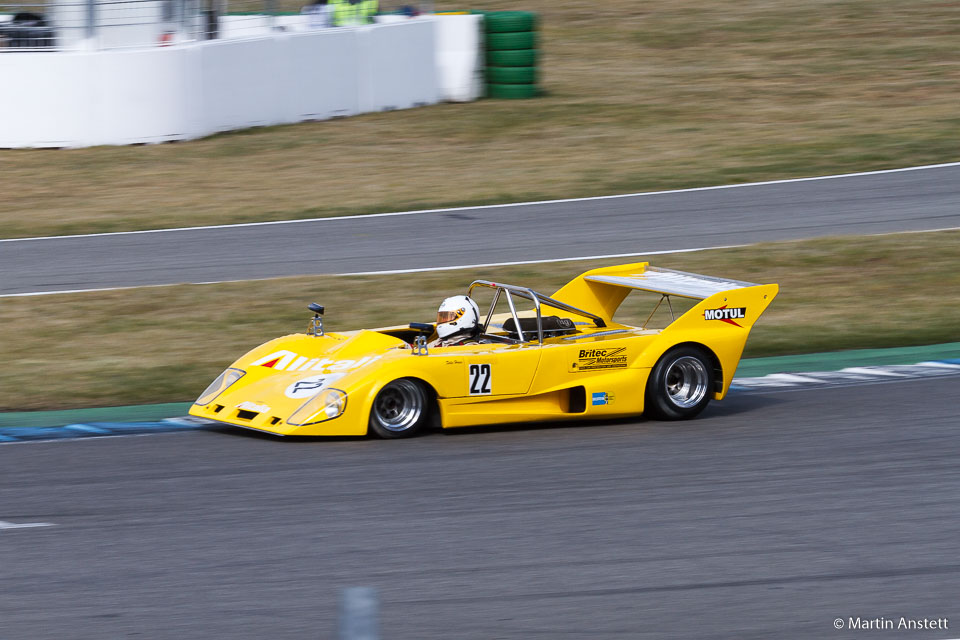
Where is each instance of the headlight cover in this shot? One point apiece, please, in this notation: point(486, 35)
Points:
point(220, 385)
point(329, 404)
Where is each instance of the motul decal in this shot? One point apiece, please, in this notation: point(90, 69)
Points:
point(289, 361)
point(723, 314)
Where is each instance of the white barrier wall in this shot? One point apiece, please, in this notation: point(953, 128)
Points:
point(459, 57)
point(77, 99)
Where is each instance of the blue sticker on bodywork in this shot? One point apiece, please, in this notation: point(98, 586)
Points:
point(599, 398)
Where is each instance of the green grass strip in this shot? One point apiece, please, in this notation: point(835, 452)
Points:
point(135, 413)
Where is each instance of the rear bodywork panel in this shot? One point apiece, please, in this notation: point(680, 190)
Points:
point(597, 369)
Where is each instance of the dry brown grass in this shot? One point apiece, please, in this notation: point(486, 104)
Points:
point(641, 95)
point(166, 343)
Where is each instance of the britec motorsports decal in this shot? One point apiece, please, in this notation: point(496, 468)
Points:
point(594, 359)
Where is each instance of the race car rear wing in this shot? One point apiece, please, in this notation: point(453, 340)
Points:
point(670, 282)
point(604, 289)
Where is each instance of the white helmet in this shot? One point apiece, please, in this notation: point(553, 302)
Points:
point(457, 315)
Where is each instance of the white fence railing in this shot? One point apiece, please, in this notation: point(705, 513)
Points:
point(111, 24)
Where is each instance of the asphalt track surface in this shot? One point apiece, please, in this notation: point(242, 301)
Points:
point(769, 517)
point(911, 200)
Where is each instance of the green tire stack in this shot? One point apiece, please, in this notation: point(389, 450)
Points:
point(512, 54)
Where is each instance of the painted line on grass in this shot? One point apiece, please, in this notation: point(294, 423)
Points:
point(496, 206)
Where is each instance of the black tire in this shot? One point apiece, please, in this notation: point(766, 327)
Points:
point(511, 41)
point(512, 75)
point(400, 410)
point(509, 21)
point(680, 385)
point(519, 58)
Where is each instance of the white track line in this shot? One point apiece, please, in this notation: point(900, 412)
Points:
point(387, 272)
point(496, 206)
point(29, 294)
point(25, 525)
point(939, 365)
point(457, 267)
point(873, 371)
point(522, 262)
point(790, 378)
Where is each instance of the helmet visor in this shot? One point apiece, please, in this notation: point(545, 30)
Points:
point(447, 316)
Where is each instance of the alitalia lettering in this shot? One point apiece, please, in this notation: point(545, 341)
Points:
point(290, 361)
point(724, 314)
point(277, 360)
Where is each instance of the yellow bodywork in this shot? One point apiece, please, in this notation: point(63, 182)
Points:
point(594, 372)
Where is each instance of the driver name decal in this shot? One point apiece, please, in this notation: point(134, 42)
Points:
point(596, 359)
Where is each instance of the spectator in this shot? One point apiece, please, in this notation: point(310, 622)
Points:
point(352, 13)
point(369, 8)
point(321, 14)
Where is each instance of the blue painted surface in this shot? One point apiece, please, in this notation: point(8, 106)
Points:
point(94, 430)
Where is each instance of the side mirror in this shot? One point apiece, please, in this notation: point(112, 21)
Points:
point(420, 343)
point(316, 324)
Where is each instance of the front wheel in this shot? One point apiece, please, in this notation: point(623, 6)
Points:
point(400, 410)
point(680, 384)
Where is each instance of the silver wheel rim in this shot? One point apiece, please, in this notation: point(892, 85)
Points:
point(399, 405)
point(686, 382)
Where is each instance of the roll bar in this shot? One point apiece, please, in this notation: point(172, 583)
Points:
point(538, 299)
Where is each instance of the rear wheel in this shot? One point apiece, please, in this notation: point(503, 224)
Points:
point(400, 410)
point(680, 384)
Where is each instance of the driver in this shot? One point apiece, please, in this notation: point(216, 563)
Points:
point(458, 321)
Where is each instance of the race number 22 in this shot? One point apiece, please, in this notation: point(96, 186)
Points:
point(479, 379)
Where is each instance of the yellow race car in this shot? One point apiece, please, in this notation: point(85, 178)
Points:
point(534, 357)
